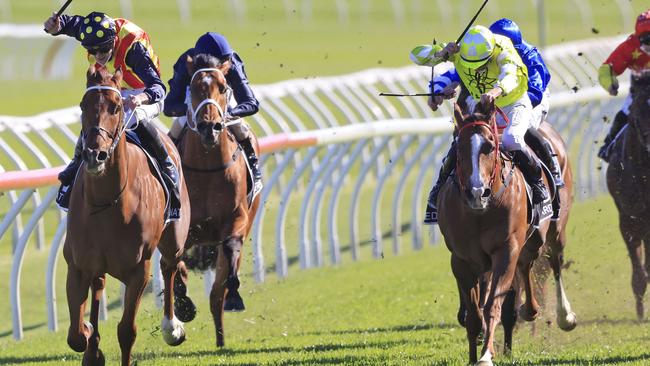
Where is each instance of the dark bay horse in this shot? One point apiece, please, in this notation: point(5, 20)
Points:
point(115, 222)
point(628, 181)
point(216, 174)
point(485, 225)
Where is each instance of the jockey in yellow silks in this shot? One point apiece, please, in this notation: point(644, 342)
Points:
point(119, 43)
point(491, 71)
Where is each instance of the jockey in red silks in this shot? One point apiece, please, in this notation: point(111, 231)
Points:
point(633, 54)
point(119, 43)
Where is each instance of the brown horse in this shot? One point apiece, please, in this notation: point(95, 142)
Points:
point(627, 181)
point(216, 174)
point(115, 222)
point(485, 225)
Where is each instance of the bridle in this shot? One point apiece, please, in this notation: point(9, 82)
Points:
point(494, 131)
point(116, 136)
point(193, 112)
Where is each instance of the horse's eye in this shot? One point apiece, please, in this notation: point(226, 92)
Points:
point(487, 148)
point(114, 109)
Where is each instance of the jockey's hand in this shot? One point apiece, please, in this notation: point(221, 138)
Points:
point(133, 101)
point(435, 101)
point(489, 97)
point(449, 91)
point(53, 24)
point(450, 49)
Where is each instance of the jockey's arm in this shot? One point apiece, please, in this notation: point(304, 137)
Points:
point(617, 62)
point(175, 99)
point(69, 25)
point(139, 60)
point(508, 77)
point(247, 104)
point(538, 76)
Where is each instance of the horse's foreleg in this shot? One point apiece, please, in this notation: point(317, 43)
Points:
point(232, 249)
point(508, 319)
point(504, 265)
point(77, 293)
point(217, 294)
point(566, 318)
point(126, 329)
point(468, 287)
point(527, 256)
point(93, 355)
point(629, 230)
point(172, 329)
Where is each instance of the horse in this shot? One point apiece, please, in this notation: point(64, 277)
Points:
point(484, 221)
point(216, 174)
point(115, 222)
point(627, 180)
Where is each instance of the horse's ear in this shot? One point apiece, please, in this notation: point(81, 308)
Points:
point(117, 77)
point(458, 114)
point(189, 63)
point(487, 110)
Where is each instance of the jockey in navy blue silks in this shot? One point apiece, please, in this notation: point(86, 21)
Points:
point(216, 45)
point(120, 44)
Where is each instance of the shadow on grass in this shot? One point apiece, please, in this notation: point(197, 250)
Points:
point(611, 360)
point(25, 329)
point(398, 328)
point(36, 359)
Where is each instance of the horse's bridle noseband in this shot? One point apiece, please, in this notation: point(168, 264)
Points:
point(195, 111)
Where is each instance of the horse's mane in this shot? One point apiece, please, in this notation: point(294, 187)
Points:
point(206, 61)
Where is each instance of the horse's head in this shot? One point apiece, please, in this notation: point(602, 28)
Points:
point(209, 94)
point(640, 108)
point(477, 155)
point(101, 117)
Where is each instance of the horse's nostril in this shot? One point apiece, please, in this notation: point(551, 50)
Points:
point(102, 156)
point(487, 193)
point(216, 127)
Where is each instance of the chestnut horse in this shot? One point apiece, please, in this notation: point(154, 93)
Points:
point(115, 222)
point(627, 181)
point(216, 174)
point(484, 222)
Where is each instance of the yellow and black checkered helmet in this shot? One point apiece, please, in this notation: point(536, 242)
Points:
point(97, 31)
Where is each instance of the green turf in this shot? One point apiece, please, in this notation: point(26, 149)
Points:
point(398, 310)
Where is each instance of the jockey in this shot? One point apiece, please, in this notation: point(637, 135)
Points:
point(633, 54)
point(489, 67)
point(216, 45)
point(118, 43)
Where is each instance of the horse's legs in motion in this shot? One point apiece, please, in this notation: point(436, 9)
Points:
point(93, 355)
point(218, 292)
point(77, 293)
point(629, 229)
point(530, 309)
point(504, 265)
point(566, 318)
point(232, 250)
point(126, 329)
point(172, 328)
point(184, 307)
point(508, 319)
point(468, 285)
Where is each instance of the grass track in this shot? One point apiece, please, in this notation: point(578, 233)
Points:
point(395, 311)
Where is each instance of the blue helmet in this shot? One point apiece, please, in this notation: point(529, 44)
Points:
point(213, 44)
point(97, 31)
point(508, 28)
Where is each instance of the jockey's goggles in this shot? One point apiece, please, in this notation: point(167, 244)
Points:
point(95, 51)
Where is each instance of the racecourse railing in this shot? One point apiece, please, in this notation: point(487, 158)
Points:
point(351, 167)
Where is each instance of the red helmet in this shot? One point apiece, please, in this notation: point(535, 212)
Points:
point(642, 23)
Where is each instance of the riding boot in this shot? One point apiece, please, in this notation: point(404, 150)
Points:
point(247, 145)
point(544, 151)
point(148, 134)
point(67, 177)
point(532, 173)
point(620, 120)
point(448, 164)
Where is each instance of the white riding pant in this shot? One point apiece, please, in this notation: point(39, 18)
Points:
point(541, 110)
point(145, 112)
point(240, 130)
point(520, 115)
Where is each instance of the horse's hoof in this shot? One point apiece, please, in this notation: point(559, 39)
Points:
point(184, 309)
point(93, 360)
point(172, 331)
point(234, 302)
point(526, 316)
point(567, 323)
